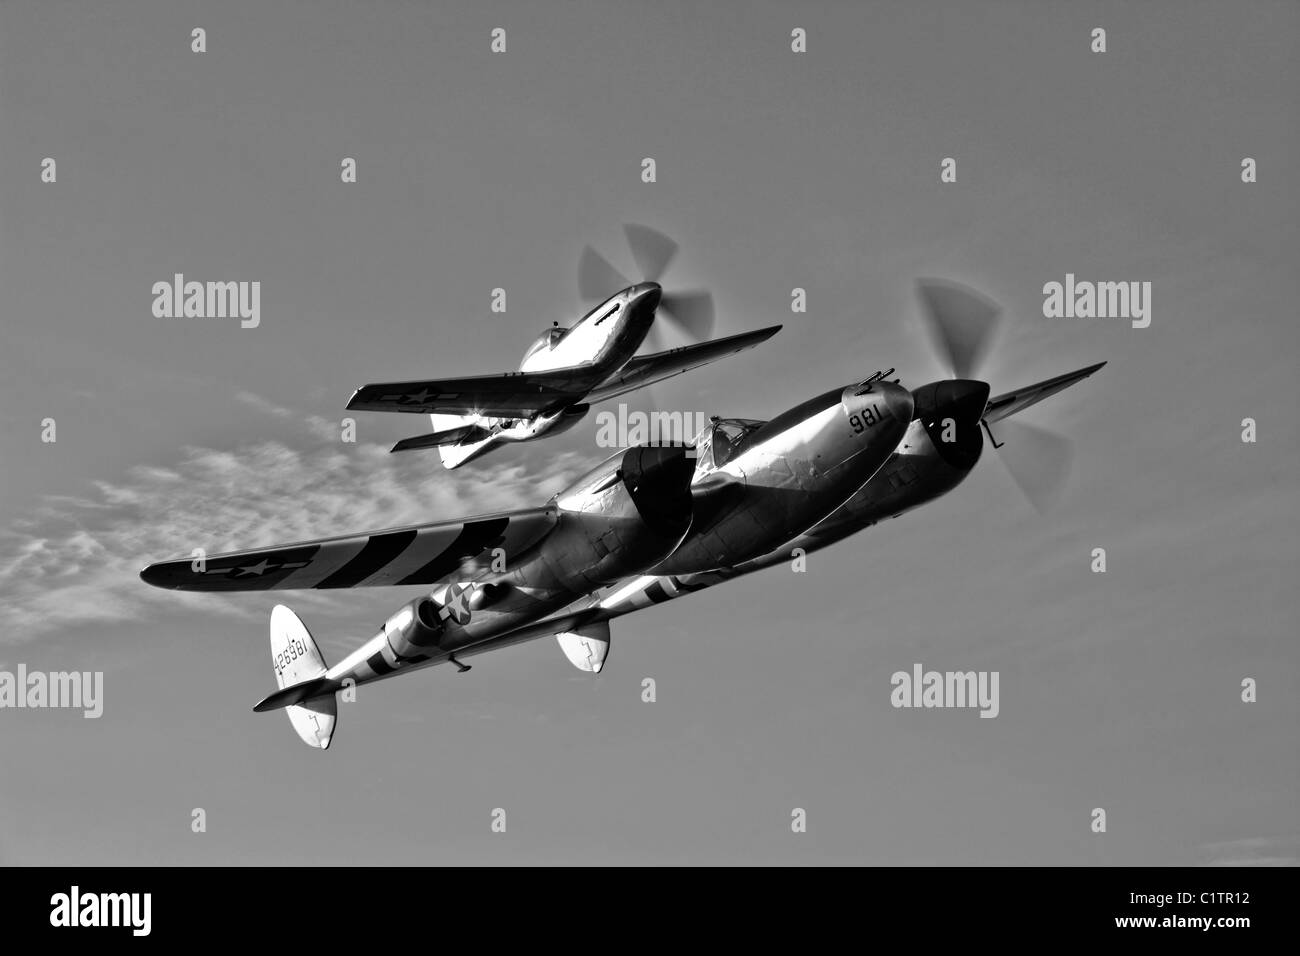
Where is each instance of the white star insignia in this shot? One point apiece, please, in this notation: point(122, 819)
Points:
point(457, 606)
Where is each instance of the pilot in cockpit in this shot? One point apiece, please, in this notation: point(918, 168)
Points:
point(722, 440)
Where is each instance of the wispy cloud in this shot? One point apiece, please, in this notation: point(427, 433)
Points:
point(321, 428)
point(1254, 851)
point(76, 560)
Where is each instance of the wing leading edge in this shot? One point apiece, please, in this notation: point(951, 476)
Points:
point(513, 395)
point(524, 394)
point(1008, 403)
point(420, 554)
point(648, 369)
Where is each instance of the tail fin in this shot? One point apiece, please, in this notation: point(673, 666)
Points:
point(297, 660)
point(586, 647)
point(453, 456)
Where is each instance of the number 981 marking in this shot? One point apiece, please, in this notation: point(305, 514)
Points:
point(864, 420)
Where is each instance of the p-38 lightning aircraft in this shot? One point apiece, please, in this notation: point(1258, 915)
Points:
point(565, 371)
point(647, 525)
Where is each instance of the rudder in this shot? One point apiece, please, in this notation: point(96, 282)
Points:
point(455, 455)
point(297, 660)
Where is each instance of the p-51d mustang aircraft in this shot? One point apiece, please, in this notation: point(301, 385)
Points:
point(566, 370)
point(647, 525)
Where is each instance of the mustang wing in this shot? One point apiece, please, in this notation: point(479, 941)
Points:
point(646, 369)
point(1007, 404)
point(513, 395)
point(421, 554)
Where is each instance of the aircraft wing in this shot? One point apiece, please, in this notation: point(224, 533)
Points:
point(513, 395)
point(1007, 404)
point(646, 369)
point(421, 554)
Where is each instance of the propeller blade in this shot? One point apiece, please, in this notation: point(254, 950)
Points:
point(689, 312)
point(653, 341)
point(653, 251)
point(961, 323)
point(597, 279)
point(1038, 460)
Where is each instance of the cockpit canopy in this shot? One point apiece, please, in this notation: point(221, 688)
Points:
point(722, 440)
point(547, 340)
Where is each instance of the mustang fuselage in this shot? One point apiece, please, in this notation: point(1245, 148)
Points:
point(604, 340)
point(606, 337)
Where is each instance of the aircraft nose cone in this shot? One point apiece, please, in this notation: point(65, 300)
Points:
point(647, 295)
point(951, 411)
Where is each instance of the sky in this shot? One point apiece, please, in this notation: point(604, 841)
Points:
point(775, 170)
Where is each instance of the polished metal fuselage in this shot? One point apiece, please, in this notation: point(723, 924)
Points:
point(915, 473)
point(789, 475)
point(604, 340)
point(606, 337)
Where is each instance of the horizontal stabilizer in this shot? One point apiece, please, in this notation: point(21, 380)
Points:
point(294, 694)
point(452, 436)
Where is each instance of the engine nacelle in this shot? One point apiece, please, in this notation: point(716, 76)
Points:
point(622, 517)
point(415, 629)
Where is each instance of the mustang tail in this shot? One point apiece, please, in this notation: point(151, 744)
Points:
point(459, 438)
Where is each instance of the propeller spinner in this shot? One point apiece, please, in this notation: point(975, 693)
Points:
point(691, 312)
point(962, 323)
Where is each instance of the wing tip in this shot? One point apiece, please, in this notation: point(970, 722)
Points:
point(741, 340)
point(155, 575)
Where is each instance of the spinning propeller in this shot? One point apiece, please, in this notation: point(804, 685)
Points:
point(962, 324)
point(690, 312)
